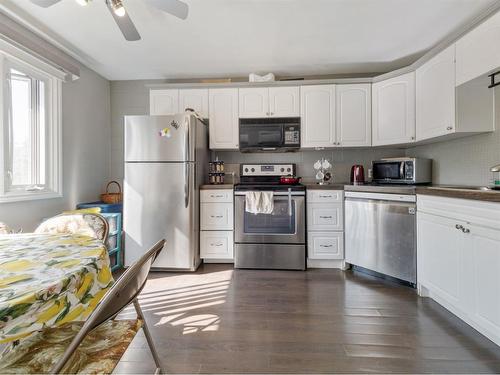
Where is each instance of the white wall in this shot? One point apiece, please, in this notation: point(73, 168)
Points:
point(86, 152)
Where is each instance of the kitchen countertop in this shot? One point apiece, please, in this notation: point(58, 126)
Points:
point(386, 189)
point(217, 187)
point(332, 186)
point(461, 192)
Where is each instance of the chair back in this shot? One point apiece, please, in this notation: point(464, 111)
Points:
point(119, 296)
point(4, 228)
point(88, 224)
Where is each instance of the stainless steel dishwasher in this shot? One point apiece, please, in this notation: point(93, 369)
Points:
point(380, 233)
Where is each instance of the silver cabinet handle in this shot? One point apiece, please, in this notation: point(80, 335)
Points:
point(216, 196)
point(325, 245)
point(325, 217)
point(459, 227)
point(325, 196)
point(216, 216)
point(216, 244)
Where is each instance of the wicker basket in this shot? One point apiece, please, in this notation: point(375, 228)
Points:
point(112, 198)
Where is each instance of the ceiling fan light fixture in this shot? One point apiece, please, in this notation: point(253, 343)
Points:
point(82, 2)
point(118, 7)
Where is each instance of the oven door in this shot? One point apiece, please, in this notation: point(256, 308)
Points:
point(389, 171)
point(285, 225)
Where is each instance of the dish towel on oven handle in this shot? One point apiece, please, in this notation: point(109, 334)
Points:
point(259, 202)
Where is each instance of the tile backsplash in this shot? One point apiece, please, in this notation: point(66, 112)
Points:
point(342, 160)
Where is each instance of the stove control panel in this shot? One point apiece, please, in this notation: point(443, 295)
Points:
point(267, 169)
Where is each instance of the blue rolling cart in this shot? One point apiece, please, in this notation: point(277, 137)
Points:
point(113, 215)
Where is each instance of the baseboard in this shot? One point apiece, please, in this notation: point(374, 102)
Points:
point(218, 260)
point(326, 263)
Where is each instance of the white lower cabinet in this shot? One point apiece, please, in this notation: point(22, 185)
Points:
point(216, 225)
point(459, 259)
point(216, 244)
point(326, 245)
point(325, 228)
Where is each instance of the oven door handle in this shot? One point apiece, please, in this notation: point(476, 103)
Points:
point(289, 202)
point(284, 193)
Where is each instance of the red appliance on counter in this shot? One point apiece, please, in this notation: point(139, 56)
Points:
point(357, 174)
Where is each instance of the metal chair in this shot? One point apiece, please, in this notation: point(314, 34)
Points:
point(122, 293)
point(89, 224)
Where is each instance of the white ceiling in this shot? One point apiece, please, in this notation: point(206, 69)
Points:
point(231, 38)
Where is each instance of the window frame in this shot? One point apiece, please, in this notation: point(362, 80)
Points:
point(53, 129)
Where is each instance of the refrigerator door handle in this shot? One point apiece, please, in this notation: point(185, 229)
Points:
point(187, 145)
point(187, 183)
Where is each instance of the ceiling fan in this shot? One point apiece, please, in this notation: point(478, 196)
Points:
point(176, 8)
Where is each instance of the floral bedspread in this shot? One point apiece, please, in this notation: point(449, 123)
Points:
point(49, 280)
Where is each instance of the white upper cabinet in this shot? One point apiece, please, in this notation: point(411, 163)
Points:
point(435, 82)
point(317, 111)
point(354, 115)
point(478, 52)
point(164, 102)
point(284, 101)
point(196, 99)
point(254, 102)
point(393, 106)
point(223, 118)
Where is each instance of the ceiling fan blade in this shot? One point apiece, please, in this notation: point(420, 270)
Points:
point(125, 24)
point(44, 3)
point(175, 7)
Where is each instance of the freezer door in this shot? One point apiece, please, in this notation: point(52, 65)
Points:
point(160, 202)
point(160, 138)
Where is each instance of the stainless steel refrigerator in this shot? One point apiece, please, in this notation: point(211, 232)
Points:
point(166, 160)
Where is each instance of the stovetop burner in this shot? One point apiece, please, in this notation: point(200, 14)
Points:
point(266, 177)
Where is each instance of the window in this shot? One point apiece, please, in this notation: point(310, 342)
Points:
point(30, 136)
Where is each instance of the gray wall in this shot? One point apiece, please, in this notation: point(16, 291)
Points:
point(86, 152)
point(127, 98)
point(464, 161)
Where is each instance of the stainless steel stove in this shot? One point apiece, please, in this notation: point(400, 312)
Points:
point(275, 240)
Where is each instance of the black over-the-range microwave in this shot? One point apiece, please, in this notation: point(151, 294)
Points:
point(269, 134)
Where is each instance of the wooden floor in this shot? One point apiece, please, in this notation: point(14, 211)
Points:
point(221, 320)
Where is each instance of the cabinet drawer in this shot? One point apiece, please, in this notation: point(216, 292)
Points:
point(325, 196)
point(212, 196)
point(216, 216)
point(216, 245)
point(325, 216)
point(325, 245)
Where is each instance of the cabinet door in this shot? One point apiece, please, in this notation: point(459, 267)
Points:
point(216, 245)
point(284, 101)
point(223, 116)
point(482, 273)
point(254, 102)
point(439, 256)
point(393, 106)
point(354, 115)
point(435, 82)
point(317, 111)
point(325, 245)
point(325, 216)
point(196, 99)
point(163, 102)
point(477, 52)
point(216, 216)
